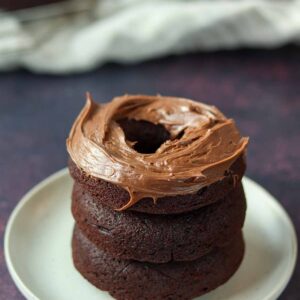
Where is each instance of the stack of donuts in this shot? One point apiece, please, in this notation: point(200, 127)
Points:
point(157, 197)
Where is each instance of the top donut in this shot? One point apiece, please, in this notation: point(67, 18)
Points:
point(154, 146)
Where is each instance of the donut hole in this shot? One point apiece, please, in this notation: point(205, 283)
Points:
point(148, 137)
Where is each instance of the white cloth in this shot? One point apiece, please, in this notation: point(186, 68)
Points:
point(135, 30)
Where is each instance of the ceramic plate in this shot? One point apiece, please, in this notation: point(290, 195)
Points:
point(38, 251)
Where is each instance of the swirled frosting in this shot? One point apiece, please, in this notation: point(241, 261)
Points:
point(203, 144)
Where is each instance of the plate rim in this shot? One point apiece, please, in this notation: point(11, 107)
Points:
point(28, 293)
point(279, 209)
point(25, 290)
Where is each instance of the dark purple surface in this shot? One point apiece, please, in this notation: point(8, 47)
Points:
point(260, 89)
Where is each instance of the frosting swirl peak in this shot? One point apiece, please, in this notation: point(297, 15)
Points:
point(202, 145)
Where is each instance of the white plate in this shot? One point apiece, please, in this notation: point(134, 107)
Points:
point(38, 252)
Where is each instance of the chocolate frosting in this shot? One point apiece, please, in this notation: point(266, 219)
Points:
point(203, 144)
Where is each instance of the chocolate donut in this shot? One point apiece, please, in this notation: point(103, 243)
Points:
point(131, 280)
point(159, 238)
point(192, 146)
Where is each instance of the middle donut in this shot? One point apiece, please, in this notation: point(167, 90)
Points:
point(159, 238)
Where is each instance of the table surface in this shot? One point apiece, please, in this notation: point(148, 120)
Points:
point(260, 89)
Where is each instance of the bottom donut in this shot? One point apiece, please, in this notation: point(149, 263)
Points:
point(132, 280)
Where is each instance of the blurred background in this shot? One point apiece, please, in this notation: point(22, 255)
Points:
point(240, 55)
